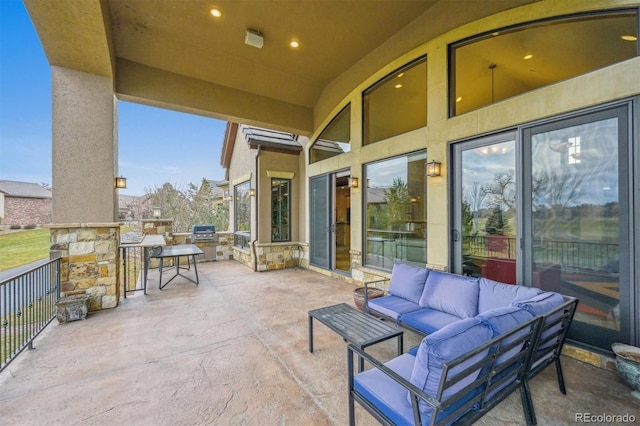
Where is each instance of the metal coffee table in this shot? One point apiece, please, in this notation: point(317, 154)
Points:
point(354, 326)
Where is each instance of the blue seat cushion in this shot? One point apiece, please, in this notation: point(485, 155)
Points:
point(493, 294)
point(428, 320)
point(443, 346)
point(392, 306)
point(450, 293)
point(407, 281)
point(387, 394)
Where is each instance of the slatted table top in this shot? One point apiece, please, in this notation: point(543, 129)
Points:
point(357, 327)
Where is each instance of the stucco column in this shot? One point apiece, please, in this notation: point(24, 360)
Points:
point(85, 148)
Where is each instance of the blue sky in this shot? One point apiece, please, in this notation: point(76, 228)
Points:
point(154, 145)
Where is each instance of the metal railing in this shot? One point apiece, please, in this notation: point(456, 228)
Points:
point(27, 306)
point(132, 264)
point(572, 255)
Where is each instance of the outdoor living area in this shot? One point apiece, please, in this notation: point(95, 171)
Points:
point(235, 350)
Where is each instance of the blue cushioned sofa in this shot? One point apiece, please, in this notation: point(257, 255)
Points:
point(459, 314)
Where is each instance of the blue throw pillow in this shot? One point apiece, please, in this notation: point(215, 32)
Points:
point(454, 294)
point(541, 304)
point(408, 281)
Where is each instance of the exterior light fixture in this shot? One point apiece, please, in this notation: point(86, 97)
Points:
point(353, 182)
point(433, 169)
point(252, 192)
point(121, 182)
point(157, 212)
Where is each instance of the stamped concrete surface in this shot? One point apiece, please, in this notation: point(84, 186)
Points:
point(234, 351)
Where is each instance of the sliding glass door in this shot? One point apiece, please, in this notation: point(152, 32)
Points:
point(485, 220)
point(547, 205)
point(577, 230)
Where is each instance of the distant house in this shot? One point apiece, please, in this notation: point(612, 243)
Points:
point(134, 207)
point(24, 203)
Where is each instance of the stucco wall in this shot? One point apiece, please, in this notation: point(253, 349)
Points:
point(85, 149)
point(601, 86)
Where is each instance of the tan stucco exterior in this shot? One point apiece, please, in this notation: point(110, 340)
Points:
point(605, 85)
point(85, 147)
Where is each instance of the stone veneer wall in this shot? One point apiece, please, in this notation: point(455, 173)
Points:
point(279, 256)
point(90, 261)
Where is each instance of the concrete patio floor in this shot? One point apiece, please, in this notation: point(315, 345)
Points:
point(234, 351)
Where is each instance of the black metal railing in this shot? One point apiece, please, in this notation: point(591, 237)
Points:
point(27, 306)
point(132, 264)
point(576, 255)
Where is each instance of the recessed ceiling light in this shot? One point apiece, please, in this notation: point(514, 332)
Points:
point(400, 75)
point(459, 98)
point(629, 38)
point(528, 56)
point(294, 43)
point(398, 86)
point(217, 13)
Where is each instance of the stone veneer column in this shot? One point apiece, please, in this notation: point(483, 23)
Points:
point(90, 261)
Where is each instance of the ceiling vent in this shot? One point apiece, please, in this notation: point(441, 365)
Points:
point(254, 38)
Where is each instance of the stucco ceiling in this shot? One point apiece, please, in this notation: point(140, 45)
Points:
point(175, 54)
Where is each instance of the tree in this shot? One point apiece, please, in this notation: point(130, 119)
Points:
point(397, 199)
point(174, 204)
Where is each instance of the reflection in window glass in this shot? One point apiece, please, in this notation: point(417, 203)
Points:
point(280, 210)
point(242, 209)
point(506, 63)
point(396, 211)
point(576, 221)
point(335, 139)
point(396, 104)
point(488, 211)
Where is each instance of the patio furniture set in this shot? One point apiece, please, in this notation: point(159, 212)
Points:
point(484, 340)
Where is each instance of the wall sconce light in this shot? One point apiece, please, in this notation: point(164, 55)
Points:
point(353, 182)
point(157, 212)
point(433, 169)
point(252, 192)
point(413, 200)
point(230, 198)
point(121, 182)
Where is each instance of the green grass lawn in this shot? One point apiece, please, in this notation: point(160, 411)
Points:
point(23, 247)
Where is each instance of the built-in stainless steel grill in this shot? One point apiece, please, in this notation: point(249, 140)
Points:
point(201, 233)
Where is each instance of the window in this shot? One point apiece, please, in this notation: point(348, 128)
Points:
point(280, 210)
point(511, 61)
point(396, 104)
point(396, 211)
point(242, 216)
point(335, 139)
